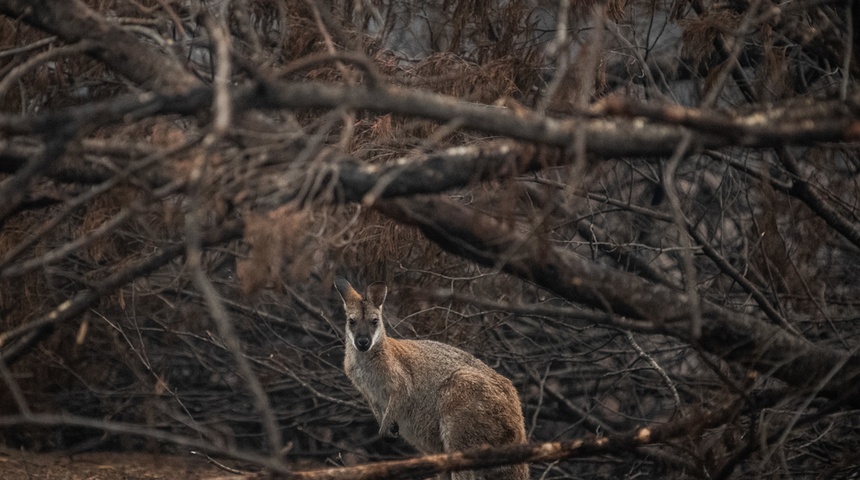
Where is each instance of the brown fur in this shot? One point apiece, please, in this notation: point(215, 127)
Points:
point(437, 397)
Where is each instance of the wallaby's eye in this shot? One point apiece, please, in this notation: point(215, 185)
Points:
point(351, 322)
point(374, 321)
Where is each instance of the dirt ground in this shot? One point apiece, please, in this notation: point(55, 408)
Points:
point(17, 465)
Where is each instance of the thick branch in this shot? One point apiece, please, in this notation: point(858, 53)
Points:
point(429, 465)
point(119, 49)
point(604, 137)
point(436, 172)
point(96, 114)
point(730, 335)
point(833, 121)
point(824, 121)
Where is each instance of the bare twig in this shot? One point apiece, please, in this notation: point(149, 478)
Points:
point(656, 366)
point(14, 389)
point(558, 50)
point(80, 200)
point(119, 428)
point(849, 50)
point(26, 48)
point(194, 225)
point(802, 189)
point(221, 105)
point(819, 385)
point(224, 323)
point(17, 72)
point(743, 281)
point(680, 221)
point(373, 77)
point(84, 299)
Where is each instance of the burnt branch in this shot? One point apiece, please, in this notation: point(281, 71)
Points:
point(623, 444)
point(802, 189)
point(110, 43)
point(605, 137)
point(728, 335)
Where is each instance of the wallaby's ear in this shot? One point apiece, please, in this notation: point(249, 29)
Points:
point(347, 293)
point(376, 293)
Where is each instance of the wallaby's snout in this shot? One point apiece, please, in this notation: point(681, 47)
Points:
point(362, 342)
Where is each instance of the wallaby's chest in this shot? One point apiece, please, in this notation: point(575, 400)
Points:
point(377, 378)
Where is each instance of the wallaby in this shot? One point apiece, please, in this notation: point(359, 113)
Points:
point(435, 396)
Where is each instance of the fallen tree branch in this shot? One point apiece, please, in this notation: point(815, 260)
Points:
point(485, 457)
point(116, 47)
point(732, 336)
point(826, 121)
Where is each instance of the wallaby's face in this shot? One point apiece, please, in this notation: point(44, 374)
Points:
point(364, 327)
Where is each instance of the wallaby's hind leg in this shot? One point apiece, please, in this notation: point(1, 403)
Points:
point(462, 426)
point(455, 438)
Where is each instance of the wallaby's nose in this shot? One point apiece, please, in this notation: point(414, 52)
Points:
point(362, 342)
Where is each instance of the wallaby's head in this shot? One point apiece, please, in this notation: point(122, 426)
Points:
point(364, 327)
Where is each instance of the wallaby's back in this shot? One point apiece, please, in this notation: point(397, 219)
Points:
point(436, 396)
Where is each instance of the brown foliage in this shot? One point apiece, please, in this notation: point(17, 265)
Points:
point(275, 240)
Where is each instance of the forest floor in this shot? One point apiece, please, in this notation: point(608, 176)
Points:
point(19, 465)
